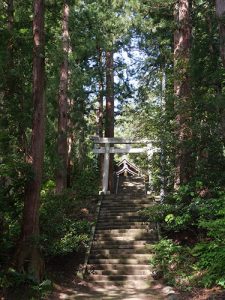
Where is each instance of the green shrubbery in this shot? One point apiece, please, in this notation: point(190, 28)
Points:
point(68, 228)
point(195, 222)
point(65, 221)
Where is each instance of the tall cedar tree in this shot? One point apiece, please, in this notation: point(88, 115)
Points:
point(109, 115)
point(99, 113)
point(61, 173)
point(28, 256)
point(220, 13)
point(182, 45)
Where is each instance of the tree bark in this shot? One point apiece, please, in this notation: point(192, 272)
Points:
point(109, 116)
point(99, 113)
point(220, 13)
point(28, 256)
point(61, 173)
point(182, 91)
point(70, 142)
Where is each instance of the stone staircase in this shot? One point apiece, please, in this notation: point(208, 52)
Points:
point(119, 257)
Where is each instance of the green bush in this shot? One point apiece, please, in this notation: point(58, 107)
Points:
point(67, 229)
point(173, 261)
point(199, 263)
point(210, 252)
point(13, 175)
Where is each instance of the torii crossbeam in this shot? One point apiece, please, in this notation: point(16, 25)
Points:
point(109, 148)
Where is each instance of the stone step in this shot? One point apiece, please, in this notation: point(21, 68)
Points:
point(134, 225)
point(124, 231)
point(129, 234)
point(108, 221)
point(121, 214)
point(131, 261)
point(125, 271)
point(122, 210)
point(138, 285)
point(117, 255)
point(122, 278)
point(110, 267)
point(125, 199)
point(115, 211)
point(108, 246)
point(105, 253)
point(109, 238)
point(109, 213)
point(125, 204)
point(119, 223)
point(121, 218)
point(121, 243)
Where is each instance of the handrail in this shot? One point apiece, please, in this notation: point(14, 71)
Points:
point(82, 272)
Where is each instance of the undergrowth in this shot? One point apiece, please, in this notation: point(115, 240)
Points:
point(192, 250)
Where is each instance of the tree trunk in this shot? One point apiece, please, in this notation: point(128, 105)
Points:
point(61, 173)
point(220, 13)
point(70, 142)
point(28, 256)
point(99, 114)
point(109, 116)
point(182, 44)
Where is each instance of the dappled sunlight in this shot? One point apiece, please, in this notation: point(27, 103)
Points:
point(118, 265)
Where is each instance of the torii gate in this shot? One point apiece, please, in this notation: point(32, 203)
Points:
point(109, 148)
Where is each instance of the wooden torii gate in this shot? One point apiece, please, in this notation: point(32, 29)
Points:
point(106, 146)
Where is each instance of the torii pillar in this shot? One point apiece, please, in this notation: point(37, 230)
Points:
point(106, 170)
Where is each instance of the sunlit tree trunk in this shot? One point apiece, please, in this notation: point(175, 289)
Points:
point(99, 113)
point(182, 44)
point(28, 256)
point(109, 115)
point(70, 143)
point(61, 173)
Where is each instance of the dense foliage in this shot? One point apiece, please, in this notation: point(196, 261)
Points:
point(191, 214)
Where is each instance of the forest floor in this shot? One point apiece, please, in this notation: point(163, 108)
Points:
point(68, 286)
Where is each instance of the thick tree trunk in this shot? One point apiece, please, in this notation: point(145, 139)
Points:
point(61, 173)
point(70, 142)
point(220, 13)
point(99, 113)
point(28, 257)
point(182, 44)
point(109, 116)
